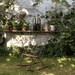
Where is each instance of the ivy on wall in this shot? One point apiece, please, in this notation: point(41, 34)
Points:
point(63, 42)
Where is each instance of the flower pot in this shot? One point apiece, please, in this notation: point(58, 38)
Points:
point(52, 28)
point(15, 28)
point(7, 27)
point(10, 27)
point(24, 28)
point(46, 28)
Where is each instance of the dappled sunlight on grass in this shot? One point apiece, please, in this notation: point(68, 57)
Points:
point(60, 60)
point(69, 59)
point(44, 73)
point(28, 61)
point(50, 74)
point(10, 54)
point(8, 59)
point(73, 59)
point(72, 65)
point(26, 58)
point(57, 66)
point(38, 67)
point(63, 59)
point(61, 65)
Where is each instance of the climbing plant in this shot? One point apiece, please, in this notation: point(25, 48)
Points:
point(63, 42)
point(4, 6)
point(62, 2)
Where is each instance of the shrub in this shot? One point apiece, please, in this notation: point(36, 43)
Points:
point(64, 46)
point(15, 51)
point(3, 52)
point(63, 42)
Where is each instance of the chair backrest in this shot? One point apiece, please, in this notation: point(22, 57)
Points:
point(37, 51)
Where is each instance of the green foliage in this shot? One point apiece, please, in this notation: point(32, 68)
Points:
point(16, 51)
point(15, 24)
point(51, 23)
point(22, 24)
point(3, 12)
point(55, 19)
point(63, 42)
point(26, 24)
point(32, 47)
point(1, 28)
point(8, 23)
point(3, 52)
point(57, 1)
point(12, 51)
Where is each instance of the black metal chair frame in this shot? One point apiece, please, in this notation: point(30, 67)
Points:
point(33, 62)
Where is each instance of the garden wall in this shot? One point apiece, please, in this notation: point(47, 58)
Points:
point(25, 38)
point(32, 10)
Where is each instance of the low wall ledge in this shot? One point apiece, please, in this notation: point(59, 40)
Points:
point(28, 31)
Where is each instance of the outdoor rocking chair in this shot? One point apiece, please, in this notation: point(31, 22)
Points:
point(35, 54)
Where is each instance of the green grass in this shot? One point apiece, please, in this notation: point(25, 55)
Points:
point(57, 66)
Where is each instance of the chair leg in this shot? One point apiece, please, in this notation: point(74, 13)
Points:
point(31, 62)
point(41, 61)
point(33, 59)
point(39, 68)
point(21, 58)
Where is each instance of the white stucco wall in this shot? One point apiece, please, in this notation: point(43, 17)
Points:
point(26, 38)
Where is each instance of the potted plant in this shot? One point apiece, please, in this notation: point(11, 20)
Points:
point(8, 26)
point(1, 28)
point(46, 27)
point(15, 26)
point(51, 25)
point(25, 26)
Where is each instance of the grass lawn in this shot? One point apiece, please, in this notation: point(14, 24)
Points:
point(57, 66)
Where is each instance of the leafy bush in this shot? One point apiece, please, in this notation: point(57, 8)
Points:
point(12, 51)
point(15, 24)
point(3, 52)
point(64, 46)
point(1, 28)
point(16, 51)
point(63, 42)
